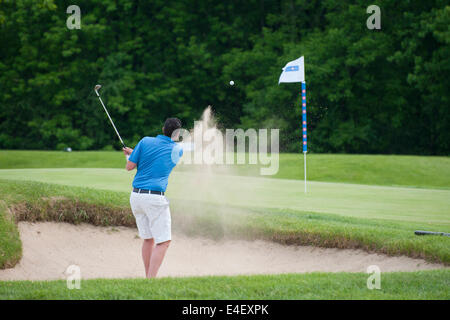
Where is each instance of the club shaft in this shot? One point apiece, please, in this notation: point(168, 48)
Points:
point(112, 122)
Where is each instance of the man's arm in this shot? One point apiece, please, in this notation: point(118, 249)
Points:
point(130, 165)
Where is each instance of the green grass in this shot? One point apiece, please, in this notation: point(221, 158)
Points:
point(397, 285)
point(10, 244)
point(426, 206)
point(386, 170)
point(345, 212)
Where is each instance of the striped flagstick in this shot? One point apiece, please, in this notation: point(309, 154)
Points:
point(294, 71)
point(305, 145)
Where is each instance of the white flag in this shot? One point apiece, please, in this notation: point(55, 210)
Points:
point(294, 71)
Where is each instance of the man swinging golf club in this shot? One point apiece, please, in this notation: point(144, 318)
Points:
point(154, 158)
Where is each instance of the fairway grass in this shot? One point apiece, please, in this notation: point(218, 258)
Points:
point(427, 206)
point(385, 170)
point(433, 284)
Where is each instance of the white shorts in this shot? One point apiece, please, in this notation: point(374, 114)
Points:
point(152, 215)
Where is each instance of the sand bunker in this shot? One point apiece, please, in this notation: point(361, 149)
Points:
point(106, 252)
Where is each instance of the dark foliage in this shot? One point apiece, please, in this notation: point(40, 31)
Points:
point(369, 91)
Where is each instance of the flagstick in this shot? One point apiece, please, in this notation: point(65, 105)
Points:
point(304, 145)
point(294, 71)
point(304, 157)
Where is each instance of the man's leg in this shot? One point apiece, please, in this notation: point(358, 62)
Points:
point(147, 248)
point(157, 258)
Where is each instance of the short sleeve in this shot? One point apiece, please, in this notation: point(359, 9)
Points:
point(135, 155)
point(177, 152)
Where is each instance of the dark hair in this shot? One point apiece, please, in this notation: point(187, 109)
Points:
point(171, 125)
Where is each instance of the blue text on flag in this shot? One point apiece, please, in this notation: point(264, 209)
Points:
point(292, 68)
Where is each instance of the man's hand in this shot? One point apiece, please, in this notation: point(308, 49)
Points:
point(130, 165)
point(127, 151)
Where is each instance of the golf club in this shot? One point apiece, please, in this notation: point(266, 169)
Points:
point(96, 88)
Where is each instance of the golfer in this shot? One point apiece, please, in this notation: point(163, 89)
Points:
point(154, 158)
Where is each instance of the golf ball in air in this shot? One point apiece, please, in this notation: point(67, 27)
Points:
point(231, 83)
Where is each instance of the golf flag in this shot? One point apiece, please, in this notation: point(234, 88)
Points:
point(293, 71)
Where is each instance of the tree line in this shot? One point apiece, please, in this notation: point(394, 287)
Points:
point(368, 91)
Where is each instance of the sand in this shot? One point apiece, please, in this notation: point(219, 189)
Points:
point(106, 252)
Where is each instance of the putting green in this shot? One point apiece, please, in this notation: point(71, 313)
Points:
point(393, 203)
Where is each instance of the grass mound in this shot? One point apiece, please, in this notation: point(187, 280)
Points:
point(10, 244)
point(60, 209)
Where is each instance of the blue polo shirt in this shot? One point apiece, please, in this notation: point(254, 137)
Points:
point(155, 158)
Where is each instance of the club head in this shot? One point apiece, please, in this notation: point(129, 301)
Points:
point(97, 87)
